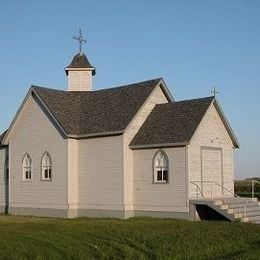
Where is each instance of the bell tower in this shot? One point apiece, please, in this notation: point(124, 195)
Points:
point(80, 71)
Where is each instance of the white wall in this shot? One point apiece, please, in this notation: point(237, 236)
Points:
point(149, 196)
point(156, 97)
point(100, 181)
point(73, 169)
point(33, 133)
point(79, 80)
point(211, 133)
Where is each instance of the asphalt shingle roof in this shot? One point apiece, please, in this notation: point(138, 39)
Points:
point(92, 112)
point(80, 60)
point(171, 123)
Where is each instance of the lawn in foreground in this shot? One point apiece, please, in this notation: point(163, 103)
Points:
point(137, 238)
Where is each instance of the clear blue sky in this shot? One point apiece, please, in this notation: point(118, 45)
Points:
point(193, 45)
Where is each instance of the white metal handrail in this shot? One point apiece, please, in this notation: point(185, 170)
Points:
point(198, 189)
point(213, 182)
point(253, 187)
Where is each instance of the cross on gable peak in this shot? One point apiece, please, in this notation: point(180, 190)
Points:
point(214, 91)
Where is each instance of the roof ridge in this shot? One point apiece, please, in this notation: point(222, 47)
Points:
point(103, 89)
point(187, 100)
point(196, 99)
point(47, 88)
point(130, 84)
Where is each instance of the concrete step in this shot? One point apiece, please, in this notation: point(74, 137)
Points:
point(223, 206)
point(246, 220)
point(248, 214)
point(218, 202)
point(248, 209)
point(235, 200)
point(241, 205)
point(254, 218)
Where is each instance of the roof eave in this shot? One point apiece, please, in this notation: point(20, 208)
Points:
point(60, 127)
point(166, 90)
point(95, 135)
point(162, 145)
point(93, 69)
point(226, 124)
point(5, 139)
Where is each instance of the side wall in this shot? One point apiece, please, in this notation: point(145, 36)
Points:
point(73, 169)
point(34, 134)
point(161, 197)
point(3, 156)
point(100, 180)
point(156, 97)
point(211, 133)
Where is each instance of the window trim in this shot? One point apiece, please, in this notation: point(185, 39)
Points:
point(43, 168)
point(24, 168)
point(155, 180)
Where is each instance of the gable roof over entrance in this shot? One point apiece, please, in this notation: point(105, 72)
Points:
point(174, 124)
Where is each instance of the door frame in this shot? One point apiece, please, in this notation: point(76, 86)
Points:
point(203, 148)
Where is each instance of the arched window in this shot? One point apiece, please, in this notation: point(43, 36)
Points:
point(46, 166)
point(161, 167)
point(27, 167)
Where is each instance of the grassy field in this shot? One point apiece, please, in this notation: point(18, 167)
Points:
point(137, 238)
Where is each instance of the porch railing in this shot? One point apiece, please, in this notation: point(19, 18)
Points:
point(212, 183)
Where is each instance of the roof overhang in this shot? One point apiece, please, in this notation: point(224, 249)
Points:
point(95, 135)
point(3, 146)
point(67, 69)
point(163, 145)
point(165, 90)
point(226, 124)
point(31, 93)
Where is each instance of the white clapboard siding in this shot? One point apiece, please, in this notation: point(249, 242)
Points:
point(151, 196)
point(100, 182)
point(33, 133)
point(156, 97)
point(73, 171)
point(211, 133)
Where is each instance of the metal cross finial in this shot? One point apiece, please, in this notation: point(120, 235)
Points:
point(214, 91)
point(80, 39)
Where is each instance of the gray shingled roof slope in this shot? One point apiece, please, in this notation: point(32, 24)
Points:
point(2, 137)
point(172, 123)
point(93, 112)
point(80, 60)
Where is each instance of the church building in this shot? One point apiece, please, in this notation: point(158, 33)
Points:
point(116, 152)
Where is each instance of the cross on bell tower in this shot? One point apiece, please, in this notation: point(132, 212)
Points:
point(80, 71)
point(80, 39)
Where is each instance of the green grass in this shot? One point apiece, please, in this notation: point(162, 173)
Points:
point(137, 238)
point(243, 188)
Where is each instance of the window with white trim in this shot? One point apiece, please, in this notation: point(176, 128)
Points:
point(27, 167)
point(46, 167)
point(161, 165)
